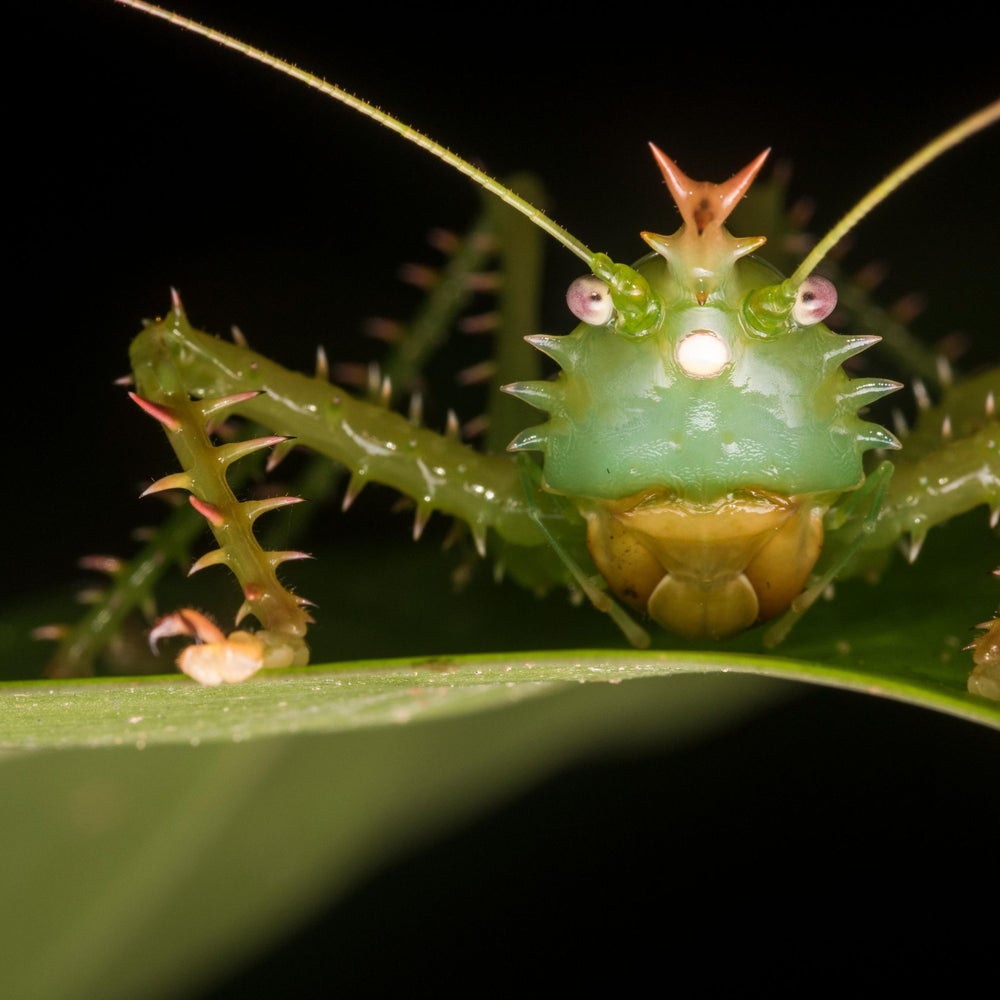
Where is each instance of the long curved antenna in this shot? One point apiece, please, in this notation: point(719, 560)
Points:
point(976, 122)
point(536, 215)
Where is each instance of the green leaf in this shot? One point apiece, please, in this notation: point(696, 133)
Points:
point(210, 820)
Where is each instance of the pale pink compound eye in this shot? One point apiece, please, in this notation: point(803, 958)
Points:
point(815, 300)
point(589, 300)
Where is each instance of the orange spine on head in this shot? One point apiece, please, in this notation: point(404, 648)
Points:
point(702, 249)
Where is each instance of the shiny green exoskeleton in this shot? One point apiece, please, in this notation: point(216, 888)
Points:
point(705, 435)
point(702, 457)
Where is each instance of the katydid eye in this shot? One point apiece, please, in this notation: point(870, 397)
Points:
point(815, 299)
point(589, 300)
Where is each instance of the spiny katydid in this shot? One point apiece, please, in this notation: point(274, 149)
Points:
point(638, 515)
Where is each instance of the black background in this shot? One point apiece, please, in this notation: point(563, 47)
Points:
point(144, 158)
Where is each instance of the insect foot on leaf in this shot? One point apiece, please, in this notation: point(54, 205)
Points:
point(215, 658)
point(985, 677)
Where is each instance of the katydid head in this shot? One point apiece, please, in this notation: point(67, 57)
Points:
point(701, 370)
point(702, 254)
point(702, 259)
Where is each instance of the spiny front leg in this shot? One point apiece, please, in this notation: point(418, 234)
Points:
point(949, 463)
point(215, 658)
point(185, 378)
point(130, 585)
